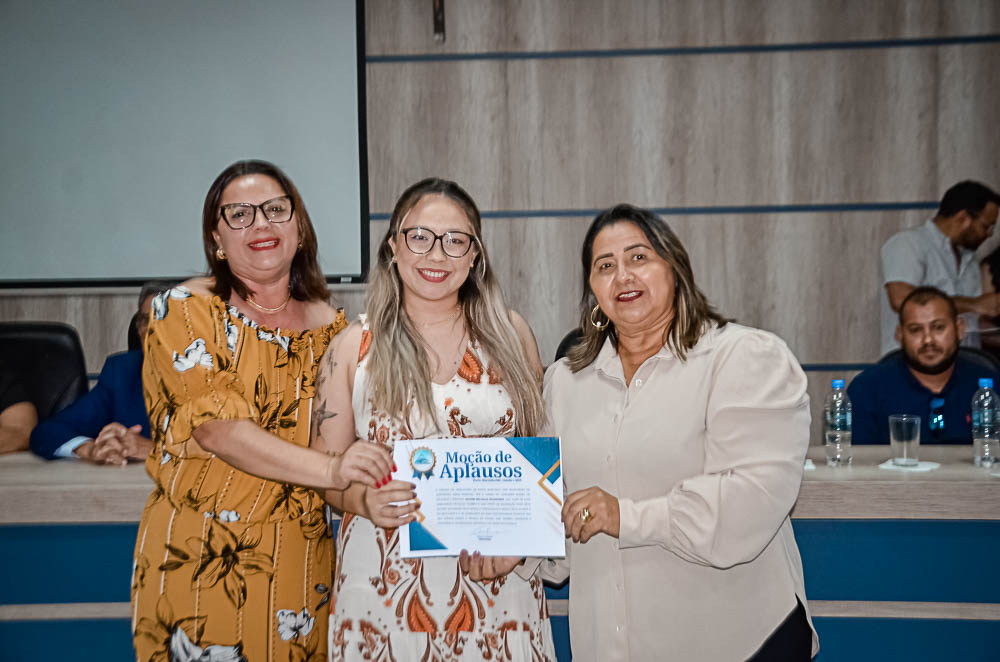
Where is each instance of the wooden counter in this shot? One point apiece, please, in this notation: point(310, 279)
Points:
point(957, 490)
point(863, 533)
point(33, 490)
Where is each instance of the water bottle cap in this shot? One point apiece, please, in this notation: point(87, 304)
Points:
point(985, 382)
point(839, 383)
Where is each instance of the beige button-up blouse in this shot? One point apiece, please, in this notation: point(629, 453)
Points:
point(705, 457)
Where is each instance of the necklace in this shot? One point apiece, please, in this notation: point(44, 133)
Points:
point(451, 318)
point(265, 309)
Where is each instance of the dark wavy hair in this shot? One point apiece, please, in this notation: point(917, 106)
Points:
point(307, 282)
point(693, 314)
point(968, 196)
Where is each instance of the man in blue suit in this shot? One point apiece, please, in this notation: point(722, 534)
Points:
point(109, 424)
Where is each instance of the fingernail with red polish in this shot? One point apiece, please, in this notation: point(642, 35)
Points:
point(394, 467)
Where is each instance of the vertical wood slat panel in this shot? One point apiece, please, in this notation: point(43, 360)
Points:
point(826, 127)
point(483, 26)
point(102, 319)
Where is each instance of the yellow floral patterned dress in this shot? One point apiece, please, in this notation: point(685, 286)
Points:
point(228, 566)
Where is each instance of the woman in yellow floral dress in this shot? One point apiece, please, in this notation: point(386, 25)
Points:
point(234, 556)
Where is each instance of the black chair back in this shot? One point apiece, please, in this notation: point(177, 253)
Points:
point(975, 356)
point(570, 339)
point(48, 358)
point(134, 341)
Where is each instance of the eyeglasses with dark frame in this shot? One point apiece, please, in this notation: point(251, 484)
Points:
point(454, 243)
point(241, 215)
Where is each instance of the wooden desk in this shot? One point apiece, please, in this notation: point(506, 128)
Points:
point(33, 490)
point(863, 533)
point(957, 490)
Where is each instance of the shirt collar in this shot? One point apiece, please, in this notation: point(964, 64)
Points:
point(915, 383)
point(945, 242)
point(607, 360)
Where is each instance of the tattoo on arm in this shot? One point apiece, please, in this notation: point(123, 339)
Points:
point(320, 416)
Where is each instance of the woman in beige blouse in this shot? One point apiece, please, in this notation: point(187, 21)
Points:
point(683, 439)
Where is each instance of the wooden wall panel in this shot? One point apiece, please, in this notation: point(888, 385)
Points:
point(449, 121)
point(483, 26)
point(737, 129)
point(814, 279)
point(967, 118)
point(101, 317)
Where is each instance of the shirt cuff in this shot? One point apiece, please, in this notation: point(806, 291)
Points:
point(66, 450)
point(641, 524)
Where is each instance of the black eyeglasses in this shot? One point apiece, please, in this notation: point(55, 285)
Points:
point(421, 241)
point(936, 420)
point(241, 215)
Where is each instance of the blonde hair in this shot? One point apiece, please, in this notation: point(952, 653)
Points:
point(398, 365)
point(693, 314)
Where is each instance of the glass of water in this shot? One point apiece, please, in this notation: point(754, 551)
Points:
point(904, 437)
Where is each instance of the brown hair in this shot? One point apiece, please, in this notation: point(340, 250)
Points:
point(693, 314)
point(398, 363)
point(307, 282)
point(921, 296)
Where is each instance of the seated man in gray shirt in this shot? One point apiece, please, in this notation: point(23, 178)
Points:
point(941, 253)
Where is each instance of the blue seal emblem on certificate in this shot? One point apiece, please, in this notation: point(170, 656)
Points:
point(423, 461)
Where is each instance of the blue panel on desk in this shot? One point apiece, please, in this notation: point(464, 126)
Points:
point(560, 636)
point(557, 591)
point(57, 641)
point(881, 639)
point(48, 563)
point(900, 560)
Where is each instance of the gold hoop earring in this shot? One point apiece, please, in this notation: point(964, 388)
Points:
point(220, 254)
point(593, 312)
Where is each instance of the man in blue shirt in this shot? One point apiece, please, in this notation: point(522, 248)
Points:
point(927, 377)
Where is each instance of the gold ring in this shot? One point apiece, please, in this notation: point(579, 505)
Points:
point(585, 515)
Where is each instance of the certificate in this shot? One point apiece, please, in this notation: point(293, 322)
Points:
point(499, 496)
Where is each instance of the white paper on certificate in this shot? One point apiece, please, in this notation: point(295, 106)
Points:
point(500, 496)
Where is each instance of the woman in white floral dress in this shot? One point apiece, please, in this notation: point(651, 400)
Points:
point(438, 354)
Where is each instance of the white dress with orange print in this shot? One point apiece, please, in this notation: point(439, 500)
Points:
point(389, 608)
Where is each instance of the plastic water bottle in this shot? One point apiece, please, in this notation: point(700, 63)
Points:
point(838, 426)
point(984, 424)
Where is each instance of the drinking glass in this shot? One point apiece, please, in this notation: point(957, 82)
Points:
point(904, 437)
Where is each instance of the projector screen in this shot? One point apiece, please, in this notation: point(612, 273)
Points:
point(116, 115)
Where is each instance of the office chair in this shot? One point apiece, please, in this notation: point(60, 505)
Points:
point(48, 357)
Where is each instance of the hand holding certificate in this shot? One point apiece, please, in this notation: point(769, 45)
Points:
point(498, 496)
